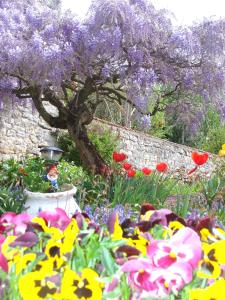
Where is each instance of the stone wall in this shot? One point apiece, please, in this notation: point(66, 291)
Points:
point(22, 132)
point(144, 150)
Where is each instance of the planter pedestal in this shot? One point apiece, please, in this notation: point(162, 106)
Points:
point(37, 202)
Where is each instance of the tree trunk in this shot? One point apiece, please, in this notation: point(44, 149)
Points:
point(88, 153)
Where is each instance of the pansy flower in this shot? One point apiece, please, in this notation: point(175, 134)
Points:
point(216, 291)
point(37, 286)
point(183, 247)
point(55, 218)
point(8, 251)
point(139, 274)
point(85, 285)
point(22, 261)
point(16, 222)
point(55, 233)
point(209, 266)
point(137, 240)
point(70, 236)
point(156, 282)
point(53, 250)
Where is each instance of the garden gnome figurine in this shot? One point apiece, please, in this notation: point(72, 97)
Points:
point(52, 176)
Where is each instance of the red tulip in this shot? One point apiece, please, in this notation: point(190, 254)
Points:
point(199, 159)
point(118, 157)
point(131, 173)
point(123, 156)
point(146, 171)
point(162, 167)
point(127, 166)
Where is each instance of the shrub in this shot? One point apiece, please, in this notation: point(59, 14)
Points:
point(212, 132)
point(12, 200)
point(103, 139)
point(9, 173)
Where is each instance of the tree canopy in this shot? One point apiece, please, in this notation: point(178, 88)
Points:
point(123, 51)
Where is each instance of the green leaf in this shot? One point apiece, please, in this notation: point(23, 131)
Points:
point(108, 261)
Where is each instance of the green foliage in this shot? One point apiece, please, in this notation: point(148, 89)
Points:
point(159, 128)
point(212, 132)
point(103, 139)
point(213, 188)
point(11, 200)
point(92, 190)
point(70, 154)
point(34, 169)
point(105, 142)
point(154, 189)
point(70, 174)
point(183, 193)
point(9, 173)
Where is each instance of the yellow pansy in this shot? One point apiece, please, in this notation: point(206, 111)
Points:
point(117, 232)
point(173, 227)
point(209, 266)
point(216, 291)
point(206, 235)
point(139, 243)
point(53, 250)
point(70, 236)
point(54, 232)
point(7, 251)
point(218, 249)
point(219, 233)
point(37, 286)
point(85, 286)
point(21, 261)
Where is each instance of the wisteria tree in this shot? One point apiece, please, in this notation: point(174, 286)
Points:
point(123, 51)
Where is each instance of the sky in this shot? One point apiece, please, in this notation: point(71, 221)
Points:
point(185, 11)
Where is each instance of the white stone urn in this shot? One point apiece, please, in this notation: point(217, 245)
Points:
point(37, 202)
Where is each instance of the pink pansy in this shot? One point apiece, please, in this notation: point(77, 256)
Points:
point(16, 222)
point(56, 218)
point(156, 282)
point(170, 280)
point(139, 274)
point(184, 246)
